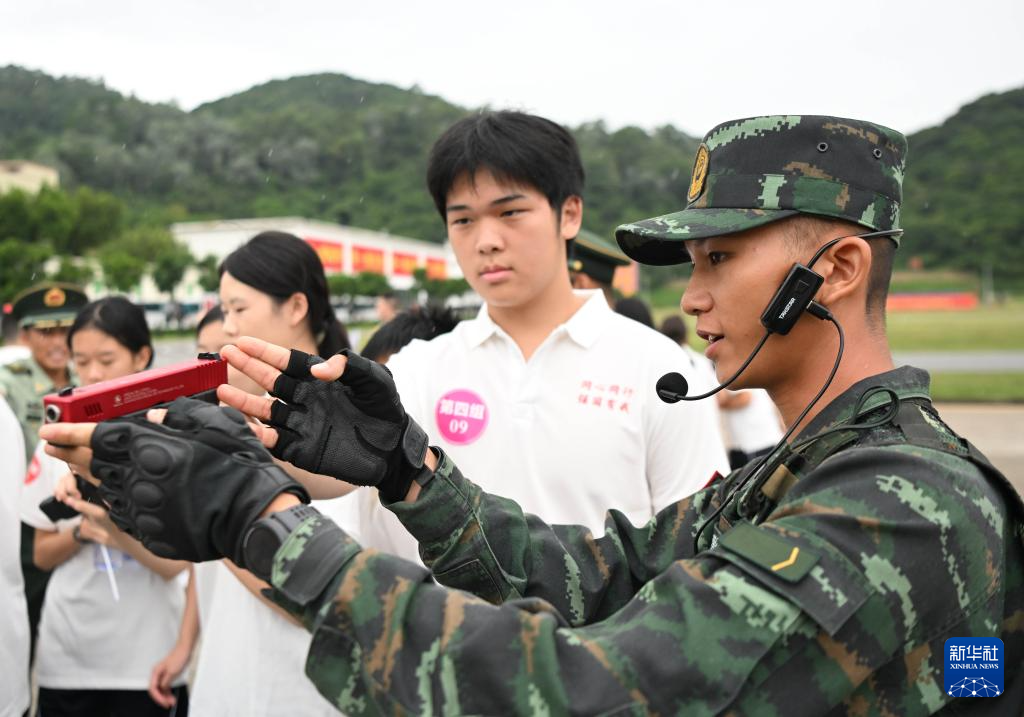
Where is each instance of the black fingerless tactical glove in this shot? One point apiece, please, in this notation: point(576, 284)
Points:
point(354, 429)
point(190, 488)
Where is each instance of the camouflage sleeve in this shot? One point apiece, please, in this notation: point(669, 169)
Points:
point(487, 545)
point(781, 620)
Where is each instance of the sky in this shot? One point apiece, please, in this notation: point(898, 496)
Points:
point(908, 64)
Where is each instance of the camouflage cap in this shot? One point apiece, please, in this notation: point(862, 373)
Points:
point(595, 256)
point(754, 171)
point(48, 305)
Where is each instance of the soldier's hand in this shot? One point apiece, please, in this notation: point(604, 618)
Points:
point(341, 417)
point(187, 489)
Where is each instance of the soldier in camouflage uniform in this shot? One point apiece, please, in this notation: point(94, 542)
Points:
point(43, 314)
point(822, 581)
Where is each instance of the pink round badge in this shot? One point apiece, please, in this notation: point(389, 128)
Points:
point(461, 416)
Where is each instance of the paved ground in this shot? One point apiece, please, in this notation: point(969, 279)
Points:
point(996, 429)
point(972, 362)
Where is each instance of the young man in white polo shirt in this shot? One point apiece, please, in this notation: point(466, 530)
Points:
point(546, 384)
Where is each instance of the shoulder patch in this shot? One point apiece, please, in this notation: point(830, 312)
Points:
point(770, 552)
point(18, 367)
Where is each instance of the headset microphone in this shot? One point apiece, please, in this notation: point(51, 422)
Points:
point(672, 387)
point(791, 299)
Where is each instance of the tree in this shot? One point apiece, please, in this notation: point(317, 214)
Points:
point(123, 269)
point(145, 241)
point(73, 272)
point(438, 290)
point(368, 283)
point(21, 265)
point(54, 215)
point(169, 265)
point(100, 216)
point(365, 283)
point(209, 277)
point(16, 215)
point(341, 285)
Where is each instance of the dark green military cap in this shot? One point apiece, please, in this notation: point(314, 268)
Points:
point(754, 171)
point(48, 305)
point(595, 256)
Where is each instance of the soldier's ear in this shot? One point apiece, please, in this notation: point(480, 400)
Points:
point(846, 268)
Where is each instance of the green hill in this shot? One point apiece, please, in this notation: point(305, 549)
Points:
point(964, 204)
point(323, 146)
point(336, 148)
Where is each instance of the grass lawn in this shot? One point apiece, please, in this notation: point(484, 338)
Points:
point(994, 387)
point(988, 328)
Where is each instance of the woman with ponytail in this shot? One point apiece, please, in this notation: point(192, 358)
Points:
point(273, 287)
point(252, 656)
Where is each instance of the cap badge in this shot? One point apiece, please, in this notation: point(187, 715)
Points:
point(699, 175)
point(54, 297)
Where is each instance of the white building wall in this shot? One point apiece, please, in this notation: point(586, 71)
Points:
point(27, 176)
point(220, 238)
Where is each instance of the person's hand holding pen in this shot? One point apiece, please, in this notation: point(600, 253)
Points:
point(95, 527)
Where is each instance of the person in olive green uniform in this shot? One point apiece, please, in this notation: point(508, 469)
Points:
point(592, 263)
point(44, 313)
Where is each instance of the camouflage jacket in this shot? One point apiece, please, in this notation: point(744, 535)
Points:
point(829, 587)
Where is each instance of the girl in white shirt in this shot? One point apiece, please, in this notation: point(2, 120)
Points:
point(112, 608)
point(252, 656)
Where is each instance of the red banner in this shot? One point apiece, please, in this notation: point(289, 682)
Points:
point(329, 253)
point(437, 269)
point(935, 301)
point(366, 259)
point(404, 264)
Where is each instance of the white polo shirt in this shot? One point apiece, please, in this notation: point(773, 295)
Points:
point(756, 426)
point(572, 432)
point(251, 660)
point(14, 693)
point(87, 640)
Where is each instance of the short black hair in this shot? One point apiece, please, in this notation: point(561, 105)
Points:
point(119, 319)
point(675, 328)
point(414, 323)
point(636, 309)
point(514, 147)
